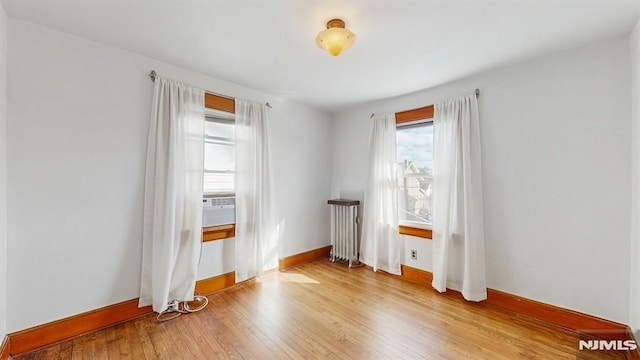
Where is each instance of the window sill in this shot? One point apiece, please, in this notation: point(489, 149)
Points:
point(219, 232)
point(414, 231)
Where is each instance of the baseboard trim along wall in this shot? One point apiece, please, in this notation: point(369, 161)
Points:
point(4, 348)
point(216, 283)
point(576, 322)
point(41, 336)
point(305, 257)
point(48, 334)
point(68, 328)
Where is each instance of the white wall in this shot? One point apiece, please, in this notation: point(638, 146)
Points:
point(217, 257)
point(3, 173)
point(556, 162)
point(77, 129)
point(634, 284)
point(302, 154)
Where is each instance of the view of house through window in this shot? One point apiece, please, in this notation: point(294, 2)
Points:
point(415, 173)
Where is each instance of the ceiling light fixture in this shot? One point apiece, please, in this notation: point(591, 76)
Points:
point(336, 38)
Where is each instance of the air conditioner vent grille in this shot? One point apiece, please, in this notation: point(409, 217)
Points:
point(218, 211)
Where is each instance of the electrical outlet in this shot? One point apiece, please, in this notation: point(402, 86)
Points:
point(414, 254)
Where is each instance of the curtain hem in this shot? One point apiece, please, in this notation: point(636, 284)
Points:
point(477, 297)
point(439, 286)
point(397, 272)
point(146, 301)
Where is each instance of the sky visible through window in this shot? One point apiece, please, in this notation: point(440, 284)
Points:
point(416, 144)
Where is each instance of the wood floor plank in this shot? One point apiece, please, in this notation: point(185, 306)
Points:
point(207, 343)
point(348, 343)
point(146, 345)
point(100, 351)
point(243, 326)
point(329, 311)
point(296, 344)
point(78, 347)
point(111, 337)
point(66, 350)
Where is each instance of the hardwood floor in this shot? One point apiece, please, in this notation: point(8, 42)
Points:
point(328, 311)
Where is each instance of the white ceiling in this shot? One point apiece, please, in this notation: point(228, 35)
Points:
point(401, 46)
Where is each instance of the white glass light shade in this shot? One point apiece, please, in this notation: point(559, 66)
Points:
point(336, 38)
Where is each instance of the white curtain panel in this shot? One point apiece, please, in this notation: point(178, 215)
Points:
point(173, 195)
point(380, 247)
point(256, 241)
point(458, 221)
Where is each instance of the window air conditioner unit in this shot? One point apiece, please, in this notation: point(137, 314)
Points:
point(218, 211)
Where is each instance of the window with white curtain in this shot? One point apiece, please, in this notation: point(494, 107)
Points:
point(414, 142)
point(219, 155)
point(219, 200)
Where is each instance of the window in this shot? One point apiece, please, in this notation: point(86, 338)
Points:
point(219, 156)
point(218, 205)
point(414, 143)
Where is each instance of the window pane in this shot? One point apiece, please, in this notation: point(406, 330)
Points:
point(415, 199)
point(415, 148)
point(219, 183)
point(219, 156)
point(415, 170)
point(225, 129)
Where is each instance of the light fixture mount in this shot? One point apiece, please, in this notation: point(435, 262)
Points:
point(333, 23)
point(336, 38)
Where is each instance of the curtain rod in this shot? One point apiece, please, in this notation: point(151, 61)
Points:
point(476, 92)
point(153, 75)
